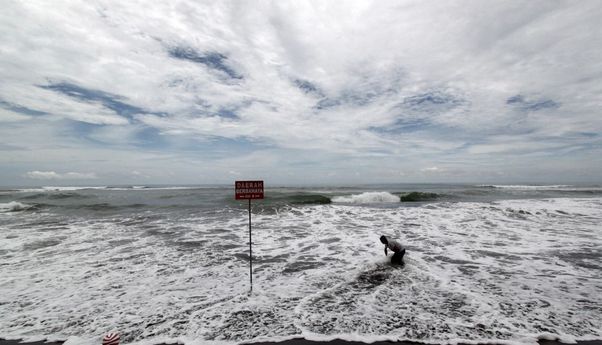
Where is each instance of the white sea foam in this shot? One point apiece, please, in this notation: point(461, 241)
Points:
point(505, 272)
point(367, 198)
point(13, 206)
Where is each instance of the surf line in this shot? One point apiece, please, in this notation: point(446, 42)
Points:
point(249, 190)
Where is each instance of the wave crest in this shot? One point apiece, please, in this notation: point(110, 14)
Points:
point(419, 196)
point(14, 206)
point(310, 199)
point(367, 198)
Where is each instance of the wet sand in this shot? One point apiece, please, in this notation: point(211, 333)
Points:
point(301, 341)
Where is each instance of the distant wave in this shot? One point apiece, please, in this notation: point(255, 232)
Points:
point(107, 207)
point(528, 187)
point(125, 188)
point(14, 206)
point(57, 189)
point(55, 196)
point(8, 191)
point(552, 188)
point(151, 188)
point(367, 198)
point(296, 199)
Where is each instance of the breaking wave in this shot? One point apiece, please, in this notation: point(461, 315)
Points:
point(367, 198)
point(14, 206)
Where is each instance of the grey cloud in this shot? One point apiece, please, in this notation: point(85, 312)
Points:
point(108, 100)
point(522, 103)
point(308, 87)
point(353, 98)
point(431, 102)
point(21, 109)
point(213, 60)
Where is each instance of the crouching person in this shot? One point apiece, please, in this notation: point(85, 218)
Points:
point(398, 250)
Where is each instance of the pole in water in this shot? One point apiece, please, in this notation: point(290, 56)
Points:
point(248, 190)
point(250, 250)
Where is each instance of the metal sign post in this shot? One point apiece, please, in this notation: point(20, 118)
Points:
point(250, 249)
point(249, 190)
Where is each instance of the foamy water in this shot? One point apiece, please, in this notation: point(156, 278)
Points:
point(13, 206)
point(509, 270)
point(368, 198)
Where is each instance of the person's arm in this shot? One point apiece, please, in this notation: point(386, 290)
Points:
point(386, 250)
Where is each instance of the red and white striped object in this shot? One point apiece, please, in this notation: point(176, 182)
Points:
point(111, 339)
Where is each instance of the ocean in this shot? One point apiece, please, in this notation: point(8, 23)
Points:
point(484, 263)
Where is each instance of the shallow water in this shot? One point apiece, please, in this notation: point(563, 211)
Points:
point(157, 265)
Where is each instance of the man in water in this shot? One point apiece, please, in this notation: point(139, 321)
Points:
point(398, 250)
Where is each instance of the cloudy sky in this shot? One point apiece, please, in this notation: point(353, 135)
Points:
point(293, 92)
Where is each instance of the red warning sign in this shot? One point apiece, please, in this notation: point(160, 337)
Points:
point(245, 190)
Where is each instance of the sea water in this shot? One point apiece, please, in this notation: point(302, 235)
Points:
point(159, 264)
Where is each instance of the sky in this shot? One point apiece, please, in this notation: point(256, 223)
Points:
point(300, 92)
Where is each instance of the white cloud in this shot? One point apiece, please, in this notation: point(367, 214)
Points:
point(51, 175)
point(138, 174)
point(11, 116)
point(363, 60)
point(42, 175)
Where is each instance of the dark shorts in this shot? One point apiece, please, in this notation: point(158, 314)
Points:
point(398, 257)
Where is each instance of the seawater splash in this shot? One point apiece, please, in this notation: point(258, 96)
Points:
point(367, 198)
point(511, 270)
point(14, 206)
